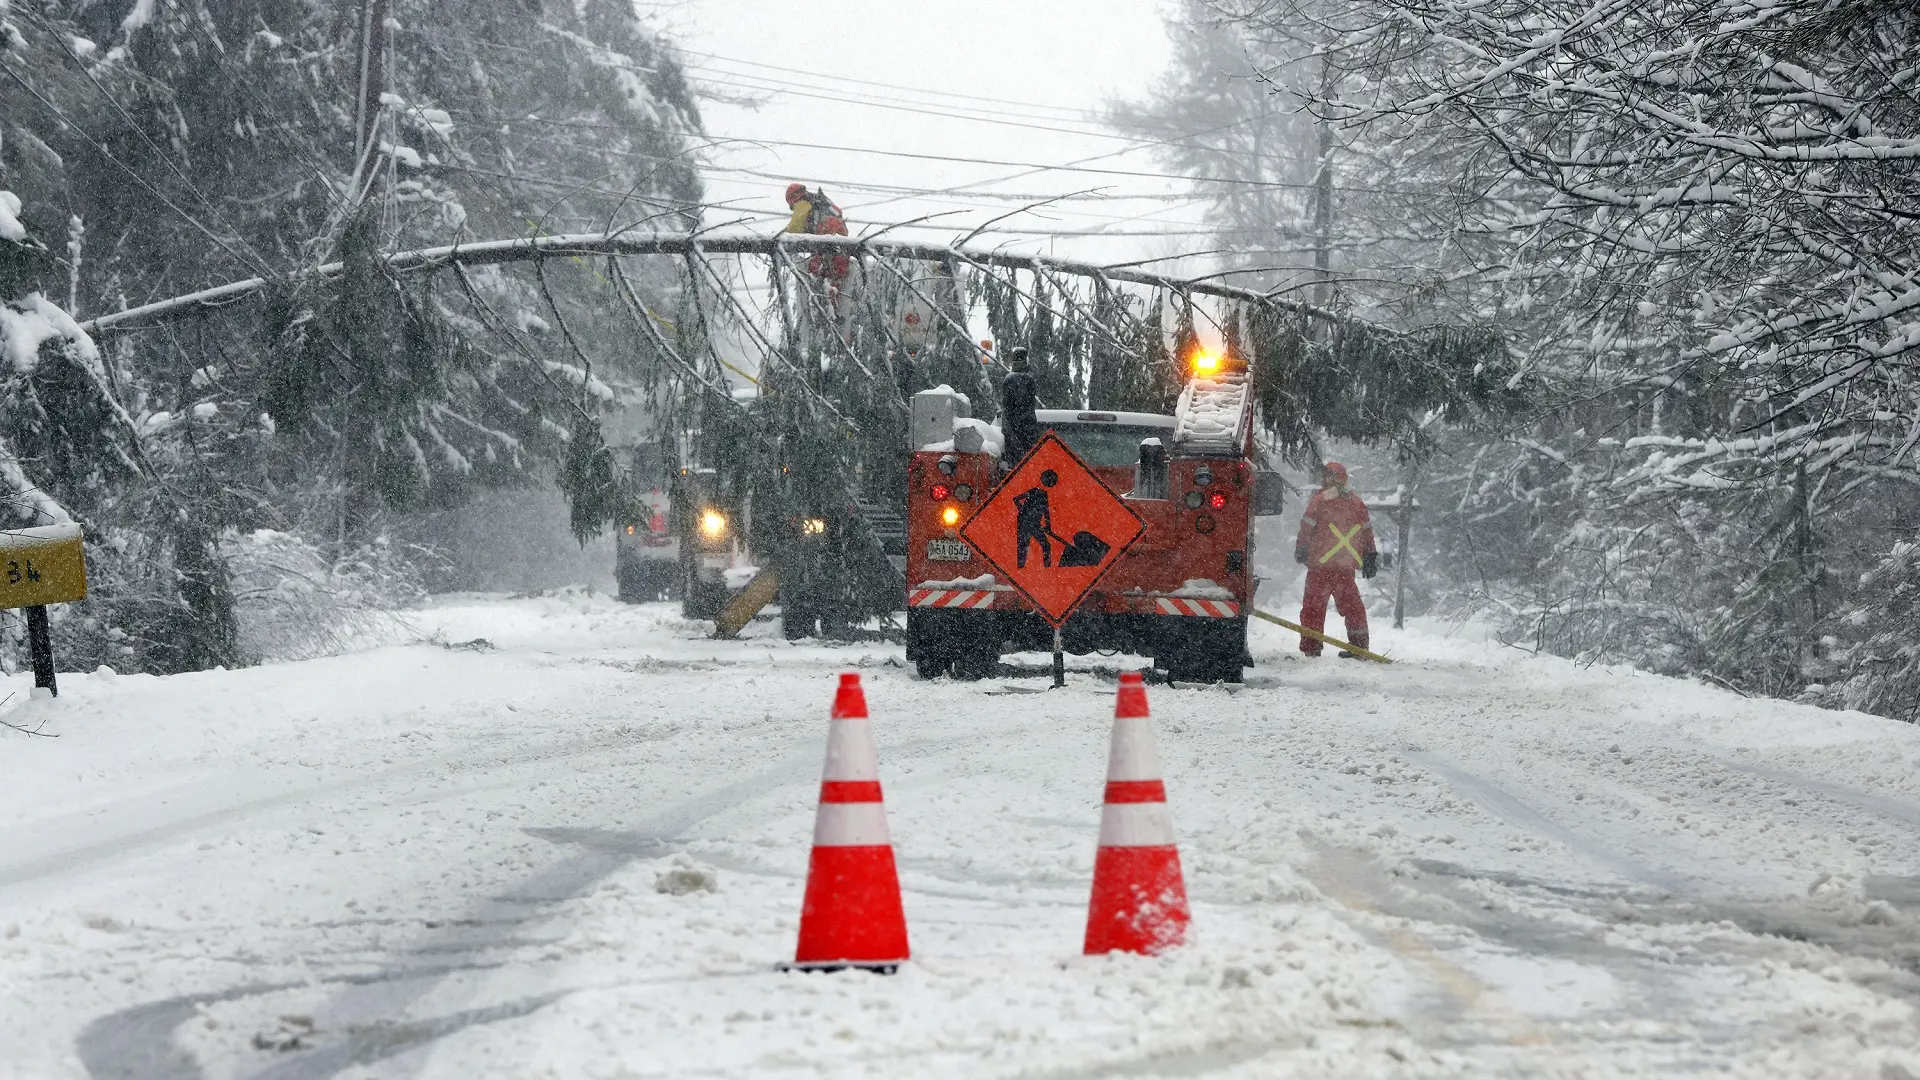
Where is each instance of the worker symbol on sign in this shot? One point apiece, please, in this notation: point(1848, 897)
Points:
point(1033, 524)
point(1052, 528)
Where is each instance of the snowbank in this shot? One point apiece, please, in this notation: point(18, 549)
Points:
point(566, 836)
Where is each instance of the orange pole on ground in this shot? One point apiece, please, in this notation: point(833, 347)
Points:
point(1318, 636)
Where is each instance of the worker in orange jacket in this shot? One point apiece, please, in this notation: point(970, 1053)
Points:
point(1336, 538)
point(816, 215)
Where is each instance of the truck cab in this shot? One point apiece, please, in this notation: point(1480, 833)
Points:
point(646, 550)
point(1180, 594)
point(712, 534)
point(646, 545)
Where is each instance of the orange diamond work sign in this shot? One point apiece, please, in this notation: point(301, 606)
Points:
point(1053, 528)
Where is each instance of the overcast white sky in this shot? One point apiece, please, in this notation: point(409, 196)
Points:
point(1048, 65)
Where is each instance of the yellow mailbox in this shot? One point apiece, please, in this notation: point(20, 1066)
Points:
point(42, 565)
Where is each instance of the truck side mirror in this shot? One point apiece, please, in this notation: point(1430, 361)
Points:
point(1269, 494)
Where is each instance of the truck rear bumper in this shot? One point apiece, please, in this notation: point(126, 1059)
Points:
point(948, 632)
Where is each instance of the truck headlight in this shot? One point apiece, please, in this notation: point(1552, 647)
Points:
point(713, 524)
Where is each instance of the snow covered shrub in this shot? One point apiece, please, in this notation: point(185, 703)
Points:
point(1692, 220)
point(384, 396)
point(70, 451)
point(1881, 632)
point(294, 603)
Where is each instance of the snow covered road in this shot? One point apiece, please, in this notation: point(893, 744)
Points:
point(435, 861)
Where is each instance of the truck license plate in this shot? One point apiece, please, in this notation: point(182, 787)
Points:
point(945, 550)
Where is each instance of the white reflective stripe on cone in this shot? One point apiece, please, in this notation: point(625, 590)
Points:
point(1131, 755)
point(850, 752)
point(1146, 824)
point(851, 824)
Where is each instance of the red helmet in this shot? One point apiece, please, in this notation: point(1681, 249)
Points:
point(1334, 471)
point(795, 192)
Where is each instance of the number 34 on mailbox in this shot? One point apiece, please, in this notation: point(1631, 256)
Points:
point(41, 566)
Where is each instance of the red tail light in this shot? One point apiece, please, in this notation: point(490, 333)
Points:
point(1217, 500)
point(939, 491)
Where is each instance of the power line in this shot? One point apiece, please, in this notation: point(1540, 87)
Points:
point(922, 91)
point(905, 192)
point(1084, 132)
point(884, 85)
point(744, 80)
point(1023, 174)
point(476, 115)
point(747, 80)
point(930, 195)
point(264, 270)
point(165, 158)
point(1038, 167)
point(1087, 133)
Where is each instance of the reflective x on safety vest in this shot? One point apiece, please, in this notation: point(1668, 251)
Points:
point(1343, 540)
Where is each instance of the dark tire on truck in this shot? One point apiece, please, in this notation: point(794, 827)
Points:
point(977, 662)
point(643, 581)
point(1213, 651)
point(965, 644)
point(701, 599)
point(797, 621)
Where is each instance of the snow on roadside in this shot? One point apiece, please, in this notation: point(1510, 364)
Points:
point(446, 859)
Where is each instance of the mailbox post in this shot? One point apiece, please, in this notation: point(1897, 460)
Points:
point(41, 566)
point(1399, 506)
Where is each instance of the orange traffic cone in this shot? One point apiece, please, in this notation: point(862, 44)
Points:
point(1139, 898)
point(851, 916)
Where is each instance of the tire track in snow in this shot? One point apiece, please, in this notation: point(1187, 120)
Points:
point(89, 856)
point(1354, 883)
point(1501, 804)
point(1905, 813)
point(138, 1042)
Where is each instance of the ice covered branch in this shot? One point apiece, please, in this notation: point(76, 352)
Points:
point(531, 249)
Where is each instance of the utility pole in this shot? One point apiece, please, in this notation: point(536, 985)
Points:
point(373, 84)
point(359, 432)
point(1323, 198)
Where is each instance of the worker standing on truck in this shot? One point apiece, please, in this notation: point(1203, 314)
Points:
point(1018, 398)
point(1336, 538)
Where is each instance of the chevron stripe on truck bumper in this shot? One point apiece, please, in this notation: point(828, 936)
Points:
point(1186, 605)
point(964, 599)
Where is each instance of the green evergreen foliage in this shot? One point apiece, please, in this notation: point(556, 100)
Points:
point(1373, 385)
point(369, 391)
point(205, 142)
point(1879, 634)
point(1128, 366)
point(1671, 215)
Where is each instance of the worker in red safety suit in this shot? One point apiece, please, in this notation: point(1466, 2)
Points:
point(816, 215)
point(1336, 538)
